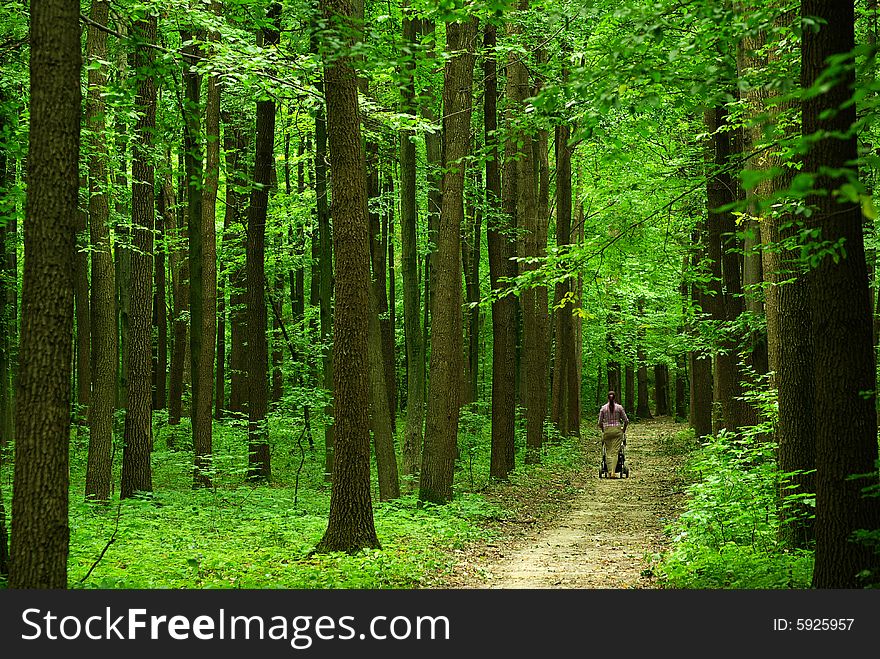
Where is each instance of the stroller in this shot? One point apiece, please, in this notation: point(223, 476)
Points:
point(622, 467)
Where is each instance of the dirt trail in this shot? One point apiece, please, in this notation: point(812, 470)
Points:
point(603, 539)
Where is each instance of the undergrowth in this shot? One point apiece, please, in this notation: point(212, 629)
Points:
point(238, 535)
point(728, 535)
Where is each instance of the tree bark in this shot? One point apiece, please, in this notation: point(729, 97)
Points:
point(415, 350)
point(844, 362)
point(441, 434)
point(350, 526)
point(83, 324)
point(259, 456)
point(566, 388)
point(502, 249)
point(103, 308)
point(203, 286)
point(136, 468)
point(160, 309)
point(40, 530)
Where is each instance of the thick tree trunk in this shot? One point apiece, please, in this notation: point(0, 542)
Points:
point(350, 526)
point(40, 531)
point(844, 361)
point(136, 468)
point(441, 434)
point(789, 343)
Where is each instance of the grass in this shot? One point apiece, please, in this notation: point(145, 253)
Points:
point(236, 535)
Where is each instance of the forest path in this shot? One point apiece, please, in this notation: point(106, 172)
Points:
point(605, 537)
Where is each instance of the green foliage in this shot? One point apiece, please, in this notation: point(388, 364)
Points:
point(728, 535)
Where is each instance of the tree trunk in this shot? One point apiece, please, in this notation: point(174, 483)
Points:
point(160, 309)
point(323, 257)
point(237, 205)
point(502, 249)
point(844, 363)
point(83, 324)
point(40, 530)
point(661, 389)
point(415, 349)
point(203, 285)
point(441, 434)
point(103, 308)
point(566, 388)
point(136, 468)
point(700, 407)
point(259, 457)
point(726, 303)
point(350, 526)
point(380, 415)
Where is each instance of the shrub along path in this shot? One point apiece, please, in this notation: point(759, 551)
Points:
point(603, 536)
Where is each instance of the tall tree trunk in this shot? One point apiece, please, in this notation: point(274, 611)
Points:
point(180, 288)
point(203, 285)
point(136, 468)
point(324, 258)
point(237, 198)
point(83, 324)
point(40, 530)
point(731, 412)
point(470, 259)
point(350, 526)
point(380, 415)
point(502, 249)
point(122, 243)
point(434, 166)
point(392, 296)
point(542, 310)
point(379, 265)
point(700, 363)
point(789, 343)
point(8, 285)
point(566, 388)
point(844, 363)
point(441, 433)
point(160, 309)
point(415, 349)
point(259, 457)
point(103, 308)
